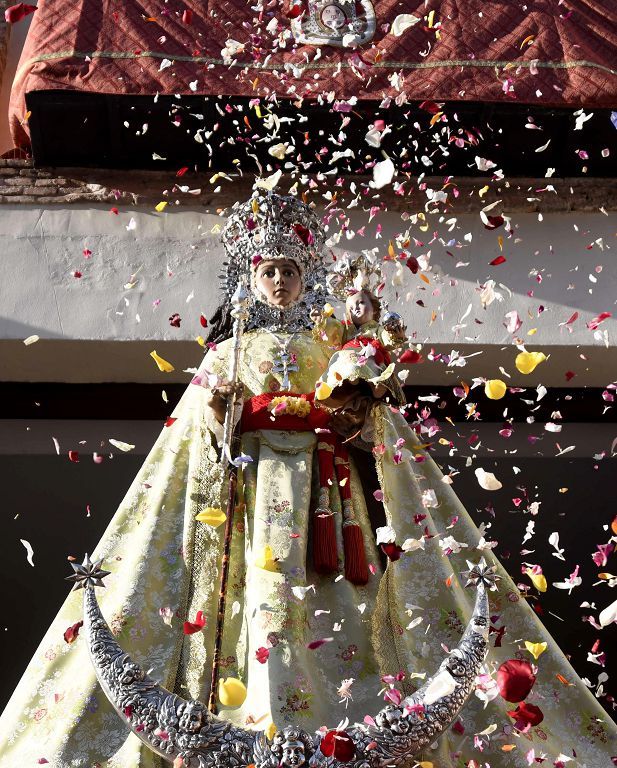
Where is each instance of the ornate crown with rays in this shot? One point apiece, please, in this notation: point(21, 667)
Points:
point(270, 226)
point(355, 272)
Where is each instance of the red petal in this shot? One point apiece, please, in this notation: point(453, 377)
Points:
point(430, 106)
point(294, 11)
point(494, 222)
point(392, 551)
point(170, 421)
point(182, 171)
point(16, 13)
point(202, 321)
point(339, 745)
point(527, 714)
point(262, 655)
point(515, 679)
point(413, 264)
point(72, 632)
point(74, 456)
point(187, 17)
point(190, 627)
point(497, 261)
point(411, 356)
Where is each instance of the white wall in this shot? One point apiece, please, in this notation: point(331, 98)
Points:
point(177, 254)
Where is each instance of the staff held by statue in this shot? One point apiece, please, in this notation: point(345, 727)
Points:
point(239, 311)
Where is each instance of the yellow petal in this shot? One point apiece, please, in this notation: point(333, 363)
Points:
point(270, 731)
point(537, 579)
point(160, 207)
point(211, 516)
point(162, 364)
point(323, 391)
point(266, 560)
point(201, 341)
point(495, 389)
point(526, 362)
point(232, 692)
point(328, 310)
point(535, 649)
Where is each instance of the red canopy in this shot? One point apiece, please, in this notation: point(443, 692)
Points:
point(547, 53)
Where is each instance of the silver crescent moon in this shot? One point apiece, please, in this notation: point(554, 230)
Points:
point(174, 727)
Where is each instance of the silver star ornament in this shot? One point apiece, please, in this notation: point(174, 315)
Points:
point(481, 572)
point(87, 574)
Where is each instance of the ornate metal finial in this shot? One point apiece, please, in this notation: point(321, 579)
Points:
point(481, 573)
point(87, 574)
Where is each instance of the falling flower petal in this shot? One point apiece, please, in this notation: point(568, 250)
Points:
point(71, 634)
point(213, 516)
point(29, 551)
point(487, 480)
point(191, 627)
point(535, 649)
point(163, 365)
point(527, 362)
point(232, 692)
point(495, 389)
point(515, 679)
point(402, 22)
point(383, 173)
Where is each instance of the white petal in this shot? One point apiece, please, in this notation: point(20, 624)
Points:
point(403, 22)
point(385, 535)
point(608, 615)
point(487, 480)
point(383, 173)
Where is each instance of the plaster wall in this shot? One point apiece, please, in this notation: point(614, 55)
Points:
point(145, 266)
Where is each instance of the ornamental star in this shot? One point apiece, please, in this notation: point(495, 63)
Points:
point(481, 572)
point(88, 574)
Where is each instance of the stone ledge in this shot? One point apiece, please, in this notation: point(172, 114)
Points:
point(20, 181)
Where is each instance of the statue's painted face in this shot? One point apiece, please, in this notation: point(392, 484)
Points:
point(333, 17)
point(360, 308)
point(278, 281)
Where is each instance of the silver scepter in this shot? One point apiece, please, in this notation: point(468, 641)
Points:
point(239, 312)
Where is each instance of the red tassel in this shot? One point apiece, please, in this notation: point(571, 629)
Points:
point(356, 569)
point(325, 559)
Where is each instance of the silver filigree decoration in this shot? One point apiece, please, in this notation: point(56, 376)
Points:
point(173, 727)
point(335, 22)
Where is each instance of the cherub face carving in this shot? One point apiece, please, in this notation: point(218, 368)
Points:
point(191, 717)
point(293, 753)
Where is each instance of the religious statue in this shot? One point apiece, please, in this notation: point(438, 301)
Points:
point(343, 551)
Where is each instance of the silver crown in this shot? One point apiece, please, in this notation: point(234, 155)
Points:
point(270, 226)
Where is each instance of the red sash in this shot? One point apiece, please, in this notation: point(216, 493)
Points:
point(333, 462)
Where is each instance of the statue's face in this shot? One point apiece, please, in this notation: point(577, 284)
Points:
point(359, 308)
point(293, 754)
point(278, 281)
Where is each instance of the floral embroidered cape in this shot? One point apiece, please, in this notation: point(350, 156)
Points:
point(162, 559)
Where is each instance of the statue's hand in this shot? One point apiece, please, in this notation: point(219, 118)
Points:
point(218, 396)
point(350, 419)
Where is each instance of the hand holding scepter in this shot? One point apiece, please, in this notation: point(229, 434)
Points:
point(239, 312)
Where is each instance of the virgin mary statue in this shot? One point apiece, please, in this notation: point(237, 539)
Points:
point(319, 626)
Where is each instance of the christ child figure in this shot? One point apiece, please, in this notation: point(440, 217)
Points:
point(364, 358)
